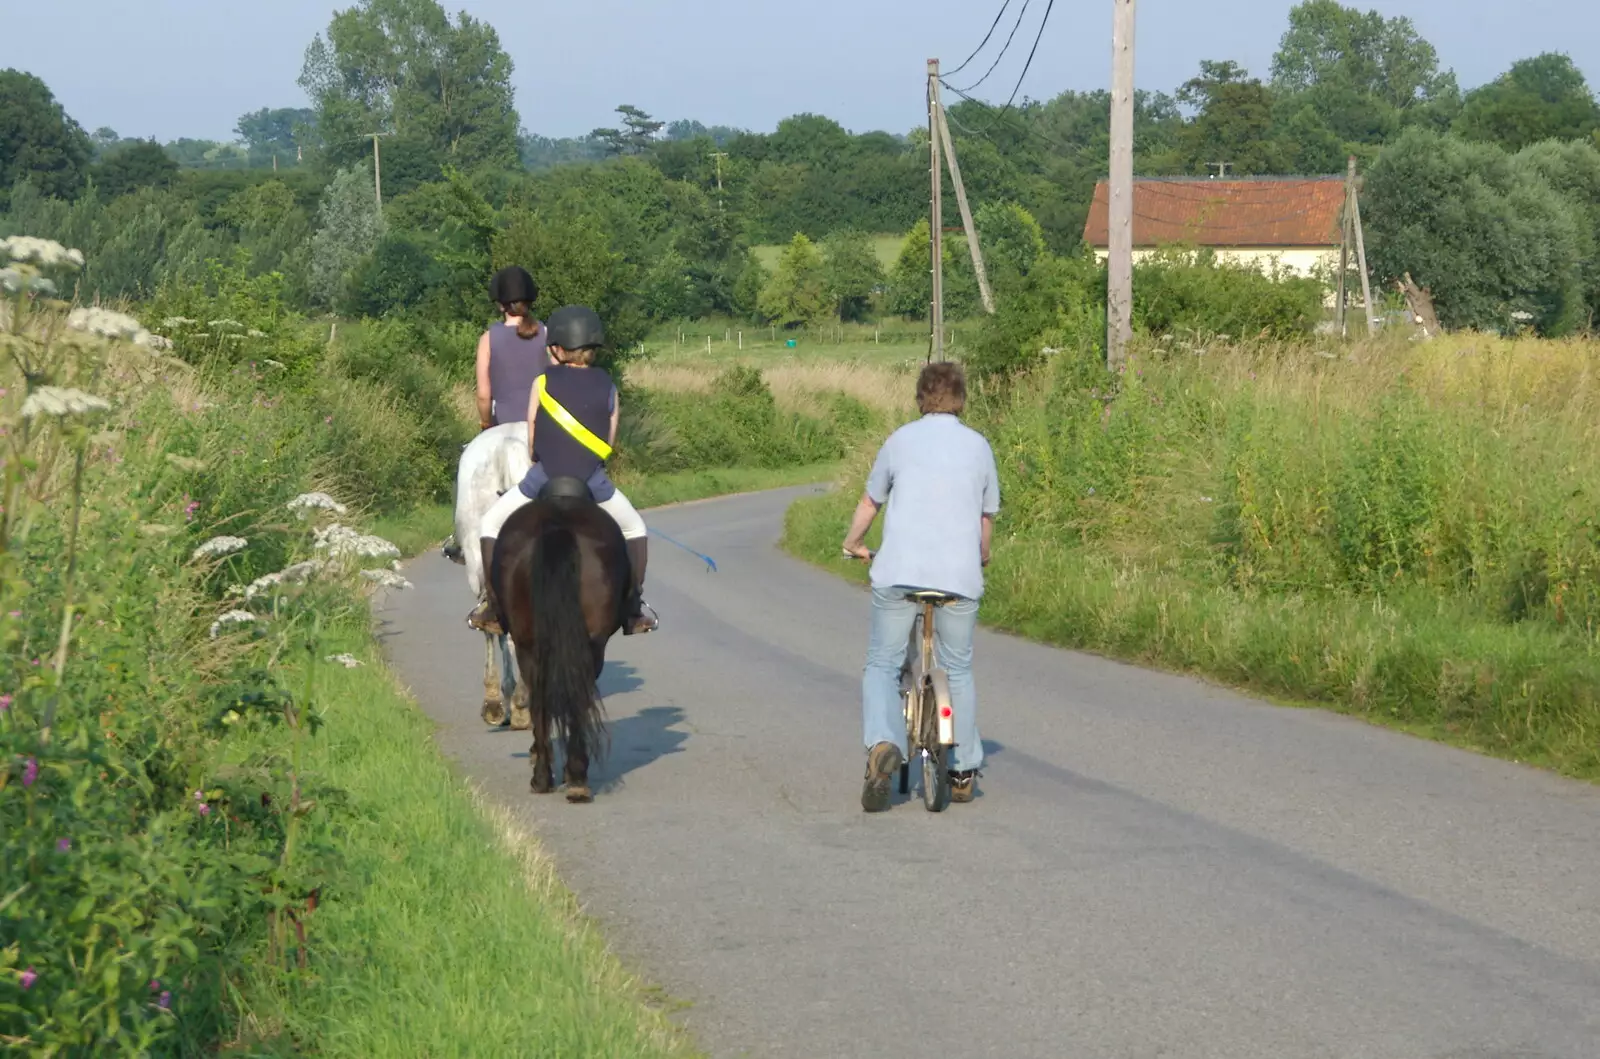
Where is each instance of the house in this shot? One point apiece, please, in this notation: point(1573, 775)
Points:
point(1290, 221)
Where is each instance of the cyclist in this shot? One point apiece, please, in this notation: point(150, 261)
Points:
point(939, 480)
point(571, 430)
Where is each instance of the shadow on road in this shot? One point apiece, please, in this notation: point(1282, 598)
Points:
point(636, 741)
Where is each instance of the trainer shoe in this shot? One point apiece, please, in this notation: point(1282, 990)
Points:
point(883, 761)
point(963, 785)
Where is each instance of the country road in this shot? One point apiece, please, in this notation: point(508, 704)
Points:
point(1156, 867)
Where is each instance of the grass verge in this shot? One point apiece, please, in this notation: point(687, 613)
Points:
point(446, 933)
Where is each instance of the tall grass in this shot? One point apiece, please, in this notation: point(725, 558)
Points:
point(1406, 531)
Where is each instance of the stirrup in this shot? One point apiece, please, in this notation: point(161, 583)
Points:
point(647, 615)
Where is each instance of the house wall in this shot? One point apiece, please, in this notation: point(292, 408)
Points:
point(1303, 261)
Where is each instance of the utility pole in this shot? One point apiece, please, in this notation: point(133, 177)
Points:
point(961, 198)
point(719, 156)
point(1361, 250)
point(1119, 302)
point(936, 227)
point(1220, 167)
point(377, 174)
point(1346, 226)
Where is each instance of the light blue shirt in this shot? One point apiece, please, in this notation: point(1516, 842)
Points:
point(938, 477)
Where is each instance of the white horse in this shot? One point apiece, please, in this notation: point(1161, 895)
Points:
point(495, 461)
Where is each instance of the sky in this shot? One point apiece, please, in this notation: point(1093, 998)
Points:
point(175, 68)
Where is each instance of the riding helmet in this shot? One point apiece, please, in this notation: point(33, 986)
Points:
point(575, 327)
point(513, 284)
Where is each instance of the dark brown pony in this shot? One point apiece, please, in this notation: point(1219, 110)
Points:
point(561, 581)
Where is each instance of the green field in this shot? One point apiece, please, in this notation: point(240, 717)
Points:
point(887, 246)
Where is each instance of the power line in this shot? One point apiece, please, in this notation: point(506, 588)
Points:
point(1016, 26)
point(1027, 65)
point(984, 43)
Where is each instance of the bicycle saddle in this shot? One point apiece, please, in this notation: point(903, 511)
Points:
point(929, 596)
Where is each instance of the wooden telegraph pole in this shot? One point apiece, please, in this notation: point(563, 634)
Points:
point(1350, 230)
point(377, 174)
point(1119, 302)
point(961, 199)
point(1361, 251)
point(936, 222)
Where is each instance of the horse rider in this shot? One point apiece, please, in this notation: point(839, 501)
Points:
point(572, 429)
point(939, 479)
point(511, 354)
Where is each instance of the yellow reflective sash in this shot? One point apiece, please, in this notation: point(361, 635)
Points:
point(570, 424)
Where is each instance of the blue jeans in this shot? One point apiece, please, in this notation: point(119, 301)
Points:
point(882, 713)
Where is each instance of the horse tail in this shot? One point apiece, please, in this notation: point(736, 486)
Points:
point(562, 686)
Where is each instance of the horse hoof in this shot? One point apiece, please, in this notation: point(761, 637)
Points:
point(521, 719)
point(494, 713)
point(541, 788)
point(579, 795)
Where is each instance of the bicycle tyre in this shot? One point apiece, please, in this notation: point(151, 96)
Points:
point(935, 773)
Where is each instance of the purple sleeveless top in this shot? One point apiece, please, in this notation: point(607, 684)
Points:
point(514, 364)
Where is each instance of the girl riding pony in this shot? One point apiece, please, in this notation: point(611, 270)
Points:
point(572, 427)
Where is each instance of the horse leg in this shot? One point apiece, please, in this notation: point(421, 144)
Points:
point(494, 703)
point(544, 778)
point(520, 718)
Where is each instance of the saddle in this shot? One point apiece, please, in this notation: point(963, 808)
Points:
point(566, 488)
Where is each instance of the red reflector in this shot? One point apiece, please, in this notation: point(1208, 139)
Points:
point(944, 711)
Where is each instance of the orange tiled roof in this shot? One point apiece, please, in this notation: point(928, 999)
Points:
point(1258, 212)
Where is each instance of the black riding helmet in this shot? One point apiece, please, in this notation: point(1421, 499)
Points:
point(513, 284)
point(575, 327)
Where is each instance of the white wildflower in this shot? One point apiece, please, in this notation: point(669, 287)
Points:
point(233, 617)
point(253, 333)
point(386, 578)
point(187, 464)
point(46, 253)
point(11, 281)
point(349, 661)
point(342, 542)
point(225, 325)
point(150, 341)
point(172, 323)
point(217, 547)
point(42, 285)
point(307, 501)
point(105, 323)
point(298, 574)
point(269, 362)
point(62, 401)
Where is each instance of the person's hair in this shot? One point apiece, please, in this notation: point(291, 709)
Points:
point(527, 326)
point(942, 387)
point(574, 356)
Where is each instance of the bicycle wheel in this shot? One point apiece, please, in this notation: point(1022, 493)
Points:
point(935, 773)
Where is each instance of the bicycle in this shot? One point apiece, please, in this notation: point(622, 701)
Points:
point(929, 712)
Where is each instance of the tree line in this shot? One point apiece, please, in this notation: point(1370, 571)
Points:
point(654, 220)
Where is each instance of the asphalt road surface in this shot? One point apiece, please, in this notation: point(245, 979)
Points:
point(1155, 867)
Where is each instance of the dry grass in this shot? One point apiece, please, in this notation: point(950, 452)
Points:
point(795, 386)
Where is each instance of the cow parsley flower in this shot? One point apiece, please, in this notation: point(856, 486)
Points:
point(217, 547)
point(62, 401)
point(305, 502)
point(233, 617)
point(298, 574)
point(46, 253)
point(386, 578)
point(105, 323)
point(160, 343)
point(349, 661)
point(342, 542)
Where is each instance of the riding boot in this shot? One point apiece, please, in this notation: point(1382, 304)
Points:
point(485, 617)
point(638, 620)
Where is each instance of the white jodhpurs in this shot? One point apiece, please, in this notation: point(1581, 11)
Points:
point(618, 507)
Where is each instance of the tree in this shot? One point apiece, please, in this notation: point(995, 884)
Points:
point(575, 264)
point(911, 278)
point(1572, 169)
point(142, 165)
point(1235, 123)
point(38, 141)
point(1487, 236)
point(402, 66)
point(272, 227)
point(1012, 241)
point(348, 230)
point(636, 136)
point(797, 293)
point(851, 272)
point(1543, 98)
point(268, 131)
point(1328, 44)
